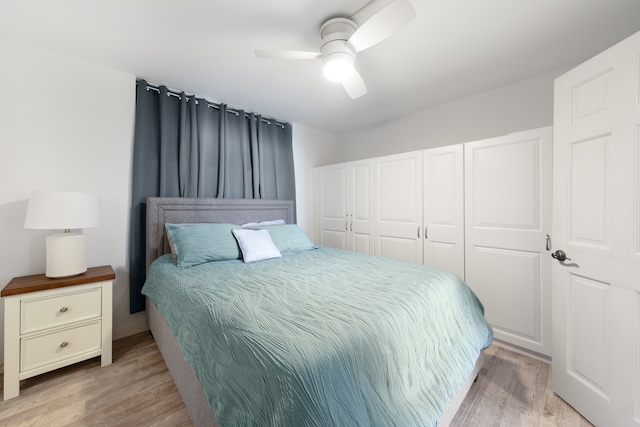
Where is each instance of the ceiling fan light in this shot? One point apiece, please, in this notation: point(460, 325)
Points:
point(338, 66)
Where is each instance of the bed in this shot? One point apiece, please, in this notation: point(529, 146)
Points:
point(295, 351)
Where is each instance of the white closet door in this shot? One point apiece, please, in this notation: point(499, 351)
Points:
point(443, 208)
point(361, 206)
point(596, 291)
point(332, 199)
point(507, 217)
point(398, 206)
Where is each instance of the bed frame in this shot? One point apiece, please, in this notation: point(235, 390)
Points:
point(161, 210)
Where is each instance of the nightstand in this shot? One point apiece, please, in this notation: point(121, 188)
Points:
point(51, 323)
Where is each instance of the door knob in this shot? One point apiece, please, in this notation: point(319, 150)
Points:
point(560, 255)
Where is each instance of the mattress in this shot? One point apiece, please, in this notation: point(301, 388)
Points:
point(322, 337)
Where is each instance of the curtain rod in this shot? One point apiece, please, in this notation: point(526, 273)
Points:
point(212, 105)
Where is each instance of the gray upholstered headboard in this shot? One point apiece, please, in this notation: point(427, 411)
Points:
point(176, 210)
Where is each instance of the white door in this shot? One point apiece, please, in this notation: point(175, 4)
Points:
point(398, 206)
point(596, 208)
point(332, 198)
point(508, 198)
point(443, 208)
point(360, 210)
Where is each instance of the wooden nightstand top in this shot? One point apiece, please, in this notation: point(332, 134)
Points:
point(40, 282)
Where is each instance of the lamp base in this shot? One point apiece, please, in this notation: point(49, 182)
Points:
point(66, 255)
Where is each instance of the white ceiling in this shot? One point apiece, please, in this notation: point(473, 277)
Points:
point(454, 48)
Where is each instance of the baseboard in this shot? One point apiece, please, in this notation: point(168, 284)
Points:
point(526, 352)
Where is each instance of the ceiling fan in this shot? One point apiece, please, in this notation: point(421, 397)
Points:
point(343, 38)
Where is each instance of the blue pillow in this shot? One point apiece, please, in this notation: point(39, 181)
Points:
point(289, 238)
point(196, 244)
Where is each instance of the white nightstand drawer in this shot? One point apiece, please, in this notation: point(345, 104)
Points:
point(50, 348)
point(49, 312)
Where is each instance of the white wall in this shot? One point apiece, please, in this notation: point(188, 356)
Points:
point(516, 107)
point(311, 148)
point(65, 124)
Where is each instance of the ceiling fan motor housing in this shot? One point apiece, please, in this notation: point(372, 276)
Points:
point(337, 56)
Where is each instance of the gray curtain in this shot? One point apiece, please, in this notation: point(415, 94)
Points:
point(189, 147)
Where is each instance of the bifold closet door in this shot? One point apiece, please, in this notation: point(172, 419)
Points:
point(443, 208)
point(508, 202)
point(360, 208)
point(398, 206)
point(344, 197)
point(332, 198)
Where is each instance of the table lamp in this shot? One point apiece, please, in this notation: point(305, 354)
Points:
point(66, 252)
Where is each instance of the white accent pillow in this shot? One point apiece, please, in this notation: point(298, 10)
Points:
point(256, 245)
point(263, 223)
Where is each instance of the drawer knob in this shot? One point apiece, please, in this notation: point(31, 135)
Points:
point(63, 310)
point(64, 344)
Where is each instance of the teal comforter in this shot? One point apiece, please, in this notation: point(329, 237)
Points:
point(322, 337)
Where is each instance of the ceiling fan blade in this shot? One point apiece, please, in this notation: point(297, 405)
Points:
point(355, 86)
point(287, 54)
point(388, 20)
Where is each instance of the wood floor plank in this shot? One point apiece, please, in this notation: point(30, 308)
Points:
point(137, 385)
point(512, 390)
point(469, 404)
point(526, 402)
point(524, 388)
point(491, 403)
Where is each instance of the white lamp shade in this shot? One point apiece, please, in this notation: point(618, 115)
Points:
point(66, 252)
point(62, 210)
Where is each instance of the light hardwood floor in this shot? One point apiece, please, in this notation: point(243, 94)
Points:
point(512, 390)
point(135, 390)
point(515, 390)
